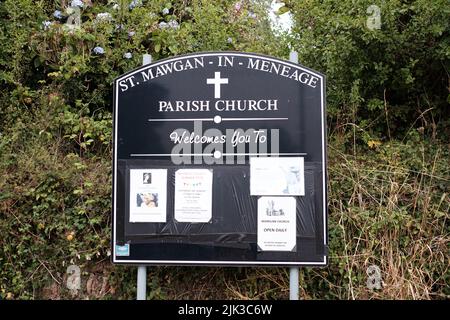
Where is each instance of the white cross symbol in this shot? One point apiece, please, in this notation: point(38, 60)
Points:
point(217, 81)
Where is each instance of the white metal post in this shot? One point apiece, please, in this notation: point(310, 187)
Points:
point(146, 59)
point(293, 271)
point(142, 283)
point(142, 270)
point(293, 283)
point(293, 56)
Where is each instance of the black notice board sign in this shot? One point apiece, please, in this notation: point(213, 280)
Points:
point(220, 159)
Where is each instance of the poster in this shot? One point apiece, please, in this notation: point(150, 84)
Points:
point(277, 228)
point(148, 195)
point(275, 176)
point(193, 195)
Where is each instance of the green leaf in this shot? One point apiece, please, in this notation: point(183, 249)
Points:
point(282, 10)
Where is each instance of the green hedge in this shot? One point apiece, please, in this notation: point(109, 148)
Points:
point(380, 80)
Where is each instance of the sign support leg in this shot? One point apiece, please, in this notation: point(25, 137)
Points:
point(293, 283)
point(142, 283)
point(142, 270)
point(293, 271)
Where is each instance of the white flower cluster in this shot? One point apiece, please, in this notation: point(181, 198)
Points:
point(134, 4)
point(47, 24)
point(99, 50)
point(77, 3)
point(58, 14)
point(173, 24)
point(104, 17)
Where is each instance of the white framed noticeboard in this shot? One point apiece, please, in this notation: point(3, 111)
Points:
point(277, 176)
point(148, 195)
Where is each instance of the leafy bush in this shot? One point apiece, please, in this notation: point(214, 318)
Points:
point(379, 80)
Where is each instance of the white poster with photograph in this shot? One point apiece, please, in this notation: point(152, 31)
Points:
point(277, 228)
point(148, 195)
point(193, 195)
point(275, 176)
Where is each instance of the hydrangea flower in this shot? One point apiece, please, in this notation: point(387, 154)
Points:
point(128, 55)
point(58, 14)
point(165, 11)
point(134, 4)
point(237, 6)
point(99, 50)
point(163, 25)
point(46, 24)
point(77, 3)
point(173, 24)
point(104, 16)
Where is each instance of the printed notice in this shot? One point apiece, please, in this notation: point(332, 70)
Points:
point(193, 195)
point(277, 229)
point(148, 195)
point(275, 176)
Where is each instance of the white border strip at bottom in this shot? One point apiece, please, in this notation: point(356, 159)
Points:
point(180, 262)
